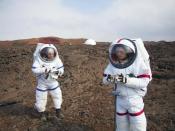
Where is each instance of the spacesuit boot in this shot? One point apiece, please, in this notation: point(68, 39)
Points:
point(59, 114)
point(42, 116)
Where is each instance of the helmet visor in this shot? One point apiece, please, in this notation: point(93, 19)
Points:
point(48, 54)
point(121, 56)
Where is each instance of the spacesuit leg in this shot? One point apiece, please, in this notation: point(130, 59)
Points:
point(56, 96)
point(122, 120)
point(41, 100)
point(136, 115)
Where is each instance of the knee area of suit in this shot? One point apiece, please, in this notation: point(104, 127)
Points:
point(57, 97)
point(122, 118)
point(122, 126)
point(137, 119)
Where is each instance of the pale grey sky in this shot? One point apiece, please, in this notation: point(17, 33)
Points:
point(102, 20)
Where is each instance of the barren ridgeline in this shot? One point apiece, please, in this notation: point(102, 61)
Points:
point(88, 105)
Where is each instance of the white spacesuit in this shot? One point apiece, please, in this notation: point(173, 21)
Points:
point(47, 66)
point(129, 69)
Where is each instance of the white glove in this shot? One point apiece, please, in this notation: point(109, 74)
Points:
point(47, 71)
point(111, 78)
point(115, 79)
point(60, 72)
point(121, 79)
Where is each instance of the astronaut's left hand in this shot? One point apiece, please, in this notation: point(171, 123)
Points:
point(121, 78)
point(59, 72)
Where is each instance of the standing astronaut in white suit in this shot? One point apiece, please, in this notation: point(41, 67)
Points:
point(47, 66)
point(129, 69)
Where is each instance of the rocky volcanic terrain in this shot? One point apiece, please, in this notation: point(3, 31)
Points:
point(87, 105)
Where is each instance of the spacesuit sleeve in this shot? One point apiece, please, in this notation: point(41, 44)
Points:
point(60, 66)
point(37, 68)
point(141, 80)
point(138, 83)
point(107, 72)
point(142, 76)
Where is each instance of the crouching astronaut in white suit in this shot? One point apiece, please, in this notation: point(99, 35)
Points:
point(129, 70)
point(47, 66)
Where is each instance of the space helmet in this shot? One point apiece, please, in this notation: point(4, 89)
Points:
point(122, 53)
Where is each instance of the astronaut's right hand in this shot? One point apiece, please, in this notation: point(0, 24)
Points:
point(47, 71)
point(111, 78)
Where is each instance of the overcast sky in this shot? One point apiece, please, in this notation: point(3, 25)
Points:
point(102, 20)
